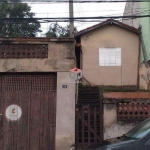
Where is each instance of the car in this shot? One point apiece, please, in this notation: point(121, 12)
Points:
point(136, 139)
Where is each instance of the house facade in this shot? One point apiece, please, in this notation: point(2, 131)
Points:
point(37, 103)
point(139, 8)
point(109, 54)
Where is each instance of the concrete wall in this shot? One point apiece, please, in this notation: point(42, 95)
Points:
point(65, 114)
point(141, 9)
point(132, 9)
point(144, 76)
point(145, 30)
point(112, 127)
point(60, 58)
point(110, 36)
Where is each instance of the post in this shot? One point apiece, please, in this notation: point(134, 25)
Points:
point(71, 26)
point(7, 24)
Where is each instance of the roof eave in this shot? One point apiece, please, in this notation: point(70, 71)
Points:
point(132, 29)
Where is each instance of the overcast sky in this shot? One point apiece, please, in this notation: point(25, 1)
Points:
point(80, 10)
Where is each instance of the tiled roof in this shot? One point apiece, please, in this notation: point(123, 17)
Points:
point(109, 21)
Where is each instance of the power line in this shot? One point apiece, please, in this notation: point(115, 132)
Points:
point(75, 1)
point(67, 19)
point(138, 10)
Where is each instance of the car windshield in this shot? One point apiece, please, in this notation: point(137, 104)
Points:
point(140, 130)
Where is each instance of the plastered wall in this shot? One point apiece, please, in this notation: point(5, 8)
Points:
point(132, 9)
point(112, 127)
point(144, 77)
point(60, 57)
point(65, 112)
point(106, 37)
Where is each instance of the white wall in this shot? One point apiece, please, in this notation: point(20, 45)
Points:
point(65, 112)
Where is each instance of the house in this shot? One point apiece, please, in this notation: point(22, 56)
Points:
point(37, 101)
point(135, 9)
point(108, 54)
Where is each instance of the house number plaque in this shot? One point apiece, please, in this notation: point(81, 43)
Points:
point(13, 112)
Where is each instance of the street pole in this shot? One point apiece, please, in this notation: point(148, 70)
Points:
point(7, 24)
point(71, 26)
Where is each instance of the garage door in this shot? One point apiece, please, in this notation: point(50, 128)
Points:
point(27, 111)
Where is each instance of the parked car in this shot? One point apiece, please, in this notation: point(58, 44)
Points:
point(136, 139)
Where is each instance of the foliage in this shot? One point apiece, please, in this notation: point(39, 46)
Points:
point(17, 29)
point(57, 31)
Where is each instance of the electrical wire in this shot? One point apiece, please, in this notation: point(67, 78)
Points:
point(77, 19)
point(120, 14)
point(98, 11)
point(129, 12)
point(67, 19)
point(74, 1)
point(82, 14)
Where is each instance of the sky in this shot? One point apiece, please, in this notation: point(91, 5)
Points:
point(44, 10)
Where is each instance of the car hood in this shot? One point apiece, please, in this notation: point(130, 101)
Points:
point(113, 141)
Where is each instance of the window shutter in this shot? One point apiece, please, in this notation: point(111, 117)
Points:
point(118, 56)
point(109, 56)
point(101, 57)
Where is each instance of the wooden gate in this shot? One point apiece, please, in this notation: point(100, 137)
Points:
point(89, 118)
point(28, 108)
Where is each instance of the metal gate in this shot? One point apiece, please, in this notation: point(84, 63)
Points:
point(28, 110)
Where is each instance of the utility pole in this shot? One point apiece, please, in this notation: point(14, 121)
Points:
point(71, 26)
point(7, 24)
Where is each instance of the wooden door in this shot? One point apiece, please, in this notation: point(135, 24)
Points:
point(89, 117)
point(28, 108)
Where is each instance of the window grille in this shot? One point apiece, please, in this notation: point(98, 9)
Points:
point(28, 82)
